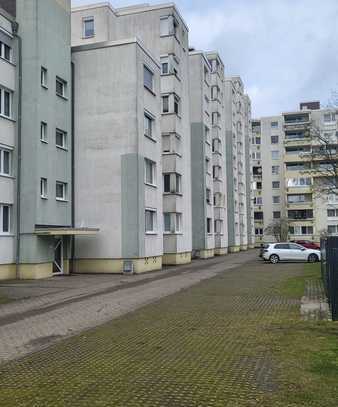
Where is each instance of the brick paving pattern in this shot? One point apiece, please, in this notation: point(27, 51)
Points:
point(201, 347)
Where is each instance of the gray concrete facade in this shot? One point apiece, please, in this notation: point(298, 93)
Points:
point(111, 149)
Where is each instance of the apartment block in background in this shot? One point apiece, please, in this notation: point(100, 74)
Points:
point(118, 157)
point(163, 32)
point(237, 136)
point(203, 238)
point(218, 153)
point(8, 118)
point(268, 172)
point(282, 150)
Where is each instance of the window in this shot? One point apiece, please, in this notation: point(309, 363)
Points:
point(61, 87)
point(165, 104)
point(165, 68)
point(276, 215)
point(150, 221)
point(299, 182)
point(258, 216)
point(332, 229)
point(5, 52)
point(301, 230)
point(257, 140)
point(209, 226)
point(150, 172)
point(148, 125)
point(275, 155)
point(43, 188)
point(275, 184)
point(332, 213)
point(208, 196)
point(164, 25)
point(215, 119)
point(61, 191)
point(274, 125)
point(218, 226)
point(6, 103)
point(274, 139)
point(44, 77)
point(207, 134)
point(329, 117)
point(5, 219)
point(276, 199)
point(275, 169)
point(282, 246)
point(172, 222)
point(61, 138)
point(88, 27)
point(256, 155)
point(207, 165)
point(5, 162)
point(172, 183)
point(148, 78)
point(43, 132)
point(299, 198)
point(259, 232)
point(177, 105)
point(258, 200)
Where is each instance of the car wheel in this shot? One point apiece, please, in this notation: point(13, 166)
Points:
point(274, 259)
point(313, 258)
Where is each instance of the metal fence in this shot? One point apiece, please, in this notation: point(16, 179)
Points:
point(329, 249)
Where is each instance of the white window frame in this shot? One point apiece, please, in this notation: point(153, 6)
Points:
point(175, 223)
point(154, 221)
point(44, 77)
point(44, 132)
point(2, 161)
point(64, 139)
point(4, 91)
point(2, 52)
point(64, 190)
point(88, 20)
point(150, 119)
point(43, 188)
point(64, 87)
point(147, 70)
point(275, 155)
point(147, 161)
point(8, 232)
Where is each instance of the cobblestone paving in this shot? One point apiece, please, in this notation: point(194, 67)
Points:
point(202, 347)
point(28, 325)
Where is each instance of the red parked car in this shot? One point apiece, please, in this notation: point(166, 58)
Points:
point(308, 244)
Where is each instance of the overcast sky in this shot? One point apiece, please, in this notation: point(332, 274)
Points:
point(286, 51)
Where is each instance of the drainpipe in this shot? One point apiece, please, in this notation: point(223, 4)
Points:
point(73, 170)
point(15, 27)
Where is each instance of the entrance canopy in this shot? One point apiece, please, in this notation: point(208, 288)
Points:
point(66, 231)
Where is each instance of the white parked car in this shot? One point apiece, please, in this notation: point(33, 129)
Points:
point(276, 252)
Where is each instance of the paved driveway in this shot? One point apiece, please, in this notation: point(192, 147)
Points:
point(60, 307)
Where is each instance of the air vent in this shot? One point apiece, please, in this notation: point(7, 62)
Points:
point(128, 267)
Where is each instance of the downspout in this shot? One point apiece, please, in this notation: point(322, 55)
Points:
point(73, 169)
point(15, 27)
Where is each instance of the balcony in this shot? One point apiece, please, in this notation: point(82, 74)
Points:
point(295, 121)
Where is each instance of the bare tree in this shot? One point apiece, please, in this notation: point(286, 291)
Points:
point(279, 229)
point(323, 160)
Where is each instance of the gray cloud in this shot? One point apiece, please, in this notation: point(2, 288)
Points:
point(285, 50)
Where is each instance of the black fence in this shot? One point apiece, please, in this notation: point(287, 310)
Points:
point(329, 249)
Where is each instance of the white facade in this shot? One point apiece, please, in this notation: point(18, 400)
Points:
point(8, 113)
point(118, 156)
point(237, 122)
point(165, 34)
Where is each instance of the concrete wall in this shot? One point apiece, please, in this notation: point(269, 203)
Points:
point(8, 143)
point(45, 31)
point(144, 23)
point(110, 148)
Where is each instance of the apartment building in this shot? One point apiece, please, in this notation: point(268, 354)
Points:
point(118, 157)
point(268, 172)
point(164, 33)
point(237, 121)
point(8, 114)
point(282, 150)
point(218, 153)
point(203, 237)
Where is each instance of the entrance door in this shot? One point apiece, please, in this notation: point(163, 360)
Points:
point(58, 257)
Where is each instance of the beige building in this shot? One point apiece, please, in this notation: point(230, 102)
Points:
point(282, 164)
